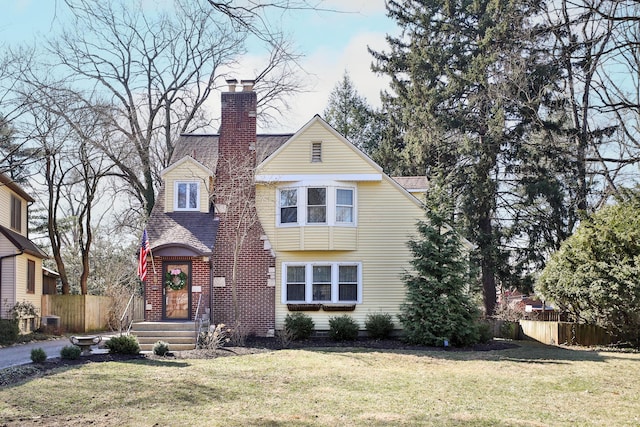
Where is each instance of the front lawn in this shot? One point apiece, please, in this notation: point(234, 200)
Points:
point(532, 385)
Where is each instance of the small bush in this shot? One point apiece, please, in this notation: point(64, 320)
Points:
point(70, 352)
point(343, 328)
point(485, 333)
point(379, 325)
point(38, 355)
point(238, 335)
point(216, 337)
point(161, 348)
point(299, 326)
point(509, 330)
point(9, 331)
point(123, 344)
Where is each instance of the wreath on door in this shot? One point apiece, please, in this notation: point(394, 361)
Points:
point(175, 279)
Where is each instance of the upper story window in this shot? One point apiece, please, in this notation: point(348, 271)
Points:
point(16, 213)
point(344, 205)
point(289, 206)
point(326, 205)
point(187, 196)
point(331, 282)
point(317, 205)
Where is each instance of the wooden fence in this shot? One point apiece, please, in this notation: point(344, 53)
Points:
point(79, 313)
point(563, 333)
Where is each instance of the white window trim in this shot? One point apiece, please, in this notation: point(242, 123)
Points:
point(308, 276)
point(332, 197)
point(175, 196)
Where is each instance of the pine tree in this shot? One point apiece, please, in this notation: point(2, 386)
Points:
point(438, 306)
point(351, 115)
point(467, 84)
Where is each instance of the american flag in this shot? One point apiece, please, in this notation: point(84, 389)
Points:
point(142, 259)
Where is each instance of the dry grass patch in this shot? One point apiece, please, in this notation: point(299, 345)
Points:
point(532, 385)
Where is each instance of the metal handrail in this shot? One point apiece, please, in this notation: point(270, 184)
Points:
point(199, 322)
point(125, 313)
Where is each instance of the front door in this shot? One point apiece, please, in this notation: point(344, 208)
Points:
point(177, 291)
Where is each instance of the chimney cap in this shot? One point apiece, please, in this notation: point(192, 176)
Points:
point(247, 85)
point(232, 84)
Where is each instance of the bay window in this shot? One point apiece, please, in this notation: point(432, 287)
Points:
point(316, 205)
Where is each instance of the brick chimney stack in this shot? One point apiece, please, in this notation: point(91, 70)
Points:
point(238, 127)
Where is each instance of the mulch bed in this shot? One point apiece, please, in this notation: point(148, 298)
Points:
point(17, 374)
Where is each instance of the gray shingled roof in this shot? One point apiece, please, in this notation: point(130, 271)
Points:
point(196, 230)
point(22, 243)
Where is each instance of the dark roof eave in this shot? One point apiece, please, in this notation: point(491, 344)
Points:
point(197, 251)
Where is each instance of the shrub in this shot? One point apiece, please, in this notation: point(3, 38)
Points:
point(343, 328)
point(299, 326)
point(123, 344)
point(379, 325)
point(216, 337)
point(71, 352)
point(38, 355)
point(485, 332)
point(161, 348)
point(9, 331)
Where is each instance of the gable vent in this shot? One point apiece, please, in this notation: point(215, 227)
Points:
point(316, 152)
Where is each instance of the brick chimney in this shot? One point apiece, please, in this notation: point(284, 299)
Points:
point(238, 127)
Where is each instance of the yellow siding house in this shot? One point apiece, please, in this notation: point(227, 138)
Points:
point(20, 259)
point(338, 227)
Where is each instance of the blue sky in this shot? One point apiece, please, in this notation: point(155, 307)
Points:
point(331, 43)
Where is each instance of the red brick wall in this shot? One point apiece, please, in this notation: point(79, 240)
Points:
point(200, 276)
point(256, 300)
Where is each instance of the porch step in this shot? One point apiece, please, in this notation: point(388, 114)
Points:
point(179, 335)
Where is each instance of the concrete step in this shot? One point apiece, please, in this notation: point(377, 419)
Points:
point(179, 335)
point(163, 326)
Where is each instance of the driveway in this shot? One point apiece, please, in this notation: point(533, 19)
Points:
point(20, 354)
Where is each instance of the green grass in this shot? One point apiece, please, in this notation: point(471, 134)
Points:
point(533, 385)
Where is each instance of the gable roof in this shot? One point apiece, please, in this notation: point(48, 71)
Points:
point(22, 243)
point(13, 186)
point(319, 120)
point(185, 159)
point(196, 231)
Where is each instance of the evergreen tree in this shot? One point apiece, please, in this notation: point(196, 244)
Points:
point(350, 114)
point(438, 306)
point(595, 276)
point(14, 157)
point(467, 83)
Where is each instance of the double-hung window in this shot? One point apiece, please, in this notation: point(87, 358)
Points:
point(316, 205)
point(187, 196)
point(344, 206)
point(295, 282)
point(31, 276)
point(289, 206)
point(322, 282)
point(16, 213)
